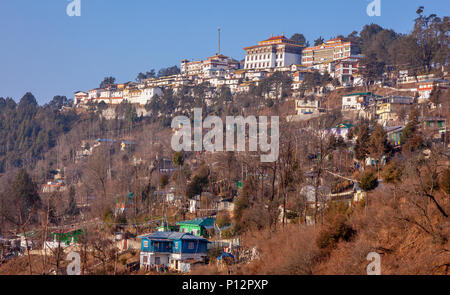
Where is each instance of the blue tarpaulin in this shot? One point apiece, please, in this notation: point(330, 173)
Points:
point(225, 255)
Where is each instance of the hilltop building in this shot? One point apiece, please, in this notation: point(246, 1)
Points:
point(331, 50)
point(275, 52)
point(215, 66)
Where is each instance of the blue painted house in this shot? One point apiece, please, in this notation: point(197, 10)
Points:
point(170, 249)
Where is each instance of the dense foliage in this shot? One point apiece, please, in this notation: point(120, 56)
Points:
point(27, 129)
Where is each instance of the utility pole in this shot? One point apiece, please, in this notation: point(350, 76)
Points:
point(219, 39)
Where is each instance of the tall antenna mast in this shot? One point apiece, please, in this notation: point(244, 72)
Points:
point(219, 38)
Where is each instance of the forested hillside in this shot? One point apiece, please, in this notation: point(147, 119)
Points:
point(27, 129)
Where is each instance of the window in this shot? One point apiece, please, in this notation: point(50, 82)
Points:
point(191, 245)
point(145, 244)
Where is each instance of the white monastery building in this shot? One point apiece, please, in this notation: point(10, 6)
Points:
point(275, 52)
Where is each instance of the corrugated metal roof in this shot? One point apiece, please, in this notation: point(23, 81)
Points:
point(198, 221)
point(171, 236)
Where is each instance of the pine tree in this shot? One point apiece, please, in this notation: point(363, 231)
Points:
point(361, 145)
point(378, 143)
point(25, 192)
point(72, 208)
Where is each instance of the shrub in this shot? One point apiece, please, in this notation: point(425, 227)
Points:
point(228, 233)
point(368, 181)
point(337, 231)
point(123, 260)
point(444, 183)
point(392, 173)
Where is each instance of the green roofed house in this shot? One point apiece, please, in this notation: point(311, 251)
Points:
point(197, 227)
point(67, 236)
point(165, 227)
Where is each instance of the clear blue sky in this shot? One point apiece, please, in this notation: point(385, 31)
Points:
point(44, 51)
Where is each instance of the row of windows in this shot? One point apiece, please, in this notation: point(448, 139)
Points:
point(261, 57)
point(156, 245)
point(262, 65)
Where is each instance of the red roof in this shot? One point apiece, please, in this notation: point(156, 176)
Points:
point(276, 38)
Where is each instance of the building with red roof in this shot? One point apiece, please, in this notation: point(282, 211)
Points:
point(275, 52)
point(332, 50)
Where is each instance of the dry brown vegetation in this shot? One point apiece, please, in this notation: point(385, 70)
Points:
point(405, 248)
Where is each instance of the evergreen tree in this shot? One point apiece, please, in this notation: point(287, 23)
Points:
point(72, 208)
point(362, 142)
point(378, 143)
point(25, 194)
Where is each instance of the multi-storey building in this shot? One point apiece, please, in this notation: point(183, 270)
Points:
point(331, 50)
point(81, 96)
point(170, 249)
point(358, 101)
point(346, 69)
point(214, 66)
point(116, 94)
point(388, 108)
point(425, 88)
point(275, 52)
point(306, 106)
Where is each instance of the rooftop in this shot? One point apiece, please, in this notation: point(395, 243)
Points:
point(361, 93)
point(198, 221)
point(171, 236)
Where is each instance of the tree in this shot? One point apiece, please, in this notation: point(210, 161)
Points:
point(142, 76)
point(198, 182)
point(356, 41)
point(392, 173)
point(368, 181)
point(72, 208)
point(410, 138)
point(163, 181)
point(107, 81)
point(431, 34)
point(312, 80)
point(378, 143)
point(178, 160)
point(444, 183)
point(278, 83)
point(362, 142)
point(225, 94)
point(25, 193)
point(58, 102)
point(372, 69)
point(174, 70)
point(26, 201)
point(299, 39)
point(319, 41)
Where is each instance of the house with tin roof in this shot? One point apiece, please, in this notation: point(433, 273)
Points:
point(171, 250)
point(197, 227)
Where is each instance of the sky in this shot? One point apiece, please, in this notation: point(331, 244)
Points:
point(48, 53)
